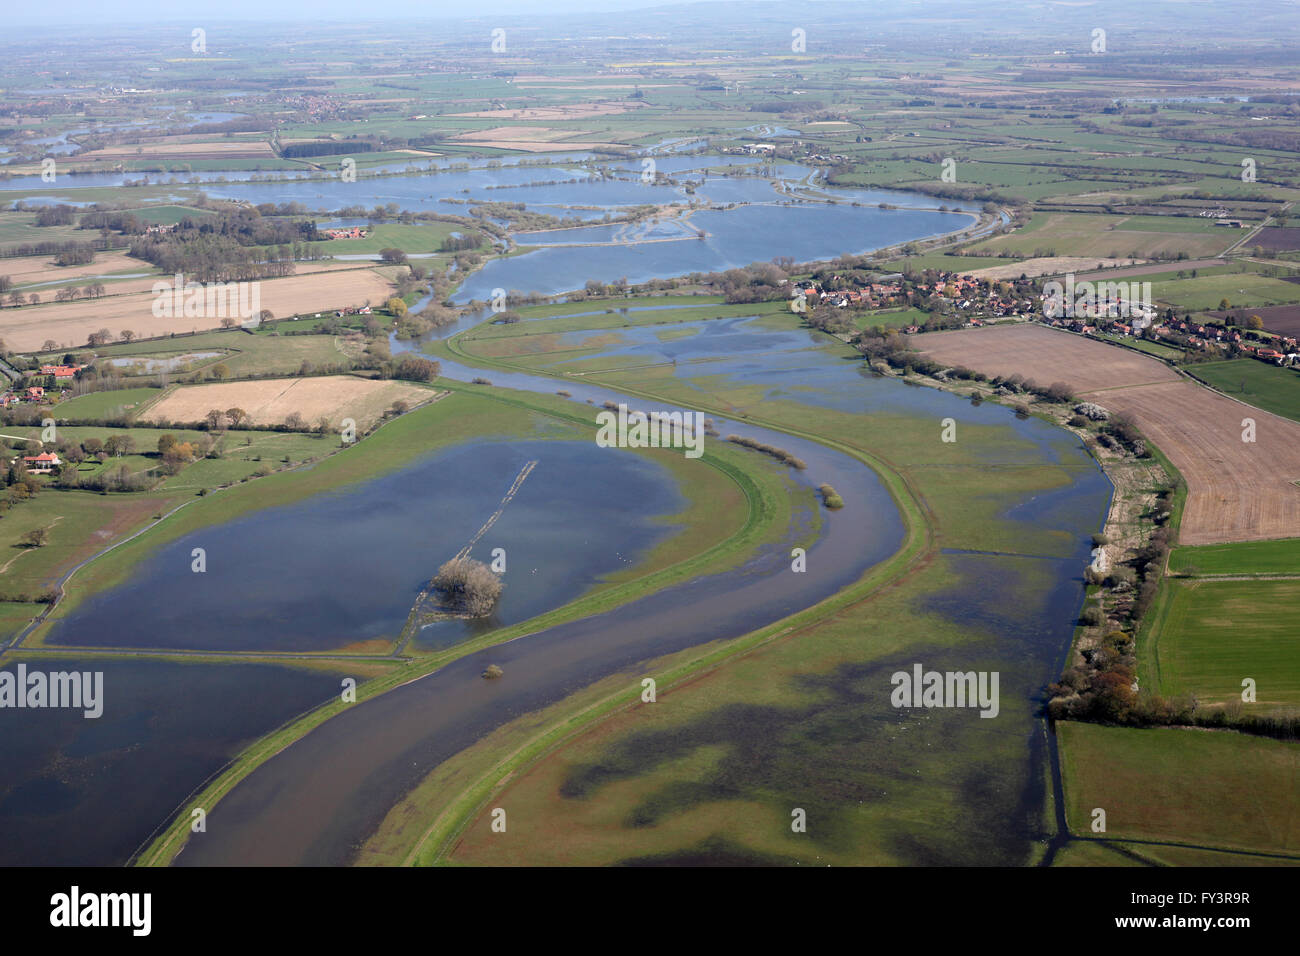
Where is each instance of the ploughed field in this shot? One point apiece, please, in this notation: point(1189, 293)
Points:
point(272, 401)
point(1237, 490)
point(69, 324)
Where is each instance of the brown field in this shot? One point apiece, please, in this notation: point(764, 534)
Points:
point(525, 146)
point(70, 323)
point(176, 147)
point(1150, 268)
point(1237, 491)
point(1048, 266)
point(552, 113)
point(271, 401)
point(529, 139)
point(29, 269)
point(1282, 319)
point(1277, 239)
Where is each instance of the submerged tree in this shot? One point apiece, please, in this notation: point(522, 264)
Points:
point(468, 586)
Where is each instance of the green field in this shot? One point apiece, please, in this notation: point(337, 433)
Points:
point(1241, 290)
point(1116, 237)
point(424, 237)
point(1248, 557)
point(1205, 637)
point(1270, 387)
point(1212, 789)
point(103, 405)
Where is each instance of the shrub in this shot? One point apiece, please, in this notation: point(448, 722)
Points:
point(830, 497)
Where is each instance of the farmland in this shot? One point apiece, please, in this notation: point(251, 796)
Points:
point(1206, 637)
point(70, 323)
point(1273, 389)
point(274, 401)
point(1237, 490)
point(1111, 237)
point(1186, 787)
point(771, 203)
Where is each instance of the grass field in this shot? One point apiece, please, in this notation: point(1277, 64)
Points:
point(409, 238)
point(102, 405)
point(1204, 638)
point(1212, 789)
point(260, 354)
point(1251, 557)
point(1111, 237)
point(1265, 386)
point(1241, 290)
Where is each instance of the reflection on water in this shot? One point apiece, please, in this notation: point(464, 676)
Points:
point(344, 567)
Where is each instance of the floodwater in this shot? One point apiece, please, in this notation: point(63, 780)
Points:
point(346, 567)
point(87, 792)
point(317, 801)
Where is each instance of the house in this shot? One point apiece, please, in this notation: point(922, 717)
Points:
point(35, 393)
point(43, 463)
point(61, 371)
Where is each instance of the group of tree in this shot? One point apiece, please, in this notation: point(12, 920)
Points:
point(467, 587)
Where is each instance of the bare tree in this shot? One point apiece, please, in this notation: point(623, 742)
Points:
point(468, 586)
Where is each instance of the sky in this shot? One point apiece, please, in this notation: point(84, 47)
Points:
point(146, 11)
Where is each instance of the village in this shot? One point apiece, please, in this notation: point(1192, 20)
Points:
point(958, 300)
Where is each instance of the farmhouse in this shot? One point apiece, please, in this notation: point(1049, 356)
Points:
point(61, 371)
point(43, 463)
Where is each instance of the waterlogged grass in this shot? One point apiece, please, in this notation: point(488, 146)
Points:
point(802, 720)
point(14, 616)
point(796, 717)
point(1194, 788)
point(611, 316)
